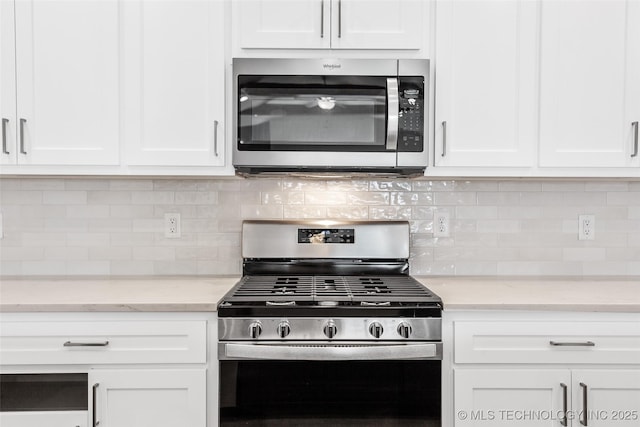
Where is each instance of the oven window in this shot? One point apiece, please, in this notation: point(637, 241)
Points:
point(354, 393)
point(319, 113)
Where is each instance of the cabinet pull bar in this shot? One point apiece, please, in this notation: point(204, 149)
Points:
point(86, 344)
point(563, 420)
point(215, 138)
point(321, 19)
point(444, 138)
point(94, 395)
point(339, 19)
point(4, 136)
point(572, 344)
point(585, 410)
point(22, 122)
point(635, 139)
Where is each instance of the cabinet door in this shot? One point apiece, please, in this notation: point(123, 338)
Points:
point(148, 398)
point(7, 83)
point(377, 24)
point(500, 397)
point(68, 64)
point(283, 24)
point(589, 84)
point(174, 80)
point(611, 397)
point(485, 83)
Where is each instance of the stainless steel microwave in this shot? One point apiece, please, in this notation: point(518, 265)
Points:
point(330, 115)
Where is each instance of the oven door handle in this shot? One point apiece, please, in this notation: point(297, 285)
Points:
point(393, 112)
point(329, 352)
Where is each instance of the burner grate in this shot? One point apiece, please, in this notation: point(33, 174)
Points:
point(326, 288)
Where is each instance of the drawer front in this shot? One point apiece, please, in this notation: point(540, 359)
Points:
point(102, 342)
point(547, 342)
point(46, 418)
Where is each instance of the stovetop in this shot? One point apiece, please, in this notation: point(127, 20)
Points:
point(329, 290)
point(318, 295)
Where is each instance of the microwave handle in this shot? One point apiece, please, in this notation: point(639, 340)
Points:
point(393, 109)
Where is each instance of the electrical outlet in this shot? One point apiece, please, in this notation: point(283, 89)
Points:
point(586, 227)
point(172, 225)
point(441, 224)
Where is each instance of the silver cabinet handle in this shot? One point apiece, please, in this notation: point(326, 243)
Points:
point(5, 122)
point(393, 113)
point(86, 344)
point(339, 19)
point(572, 344)
point(215, 138)
point(444, 138)
point(584, 419)
point(563, 420)
point(321, 19)
point(635, 139)
point(22, 122)
point(95, 405)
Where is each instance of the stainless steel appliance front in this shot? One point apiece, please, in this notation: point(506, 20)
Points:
point(326, 327)
point(315, 115)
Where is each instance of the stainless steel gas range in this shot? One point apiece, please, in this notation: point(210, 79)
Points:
point(326, 326)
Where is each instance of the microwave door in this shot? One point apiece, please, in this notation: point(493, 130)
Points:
point(393, 111)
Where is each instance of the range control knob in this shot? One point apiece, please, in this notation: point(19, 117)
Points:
point(255, 329)
point(284, 329)
point(376, 329)
point(404, 329)
point(330, 329)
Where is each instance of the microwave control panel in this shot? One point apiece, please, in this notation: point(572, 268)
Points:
point(411, 115)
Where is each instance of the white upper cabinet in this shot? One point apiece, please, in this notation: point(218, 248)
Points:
point(285, 24)
point(68, 91)
point(324, 24)
point(174, 83)
point(589, 83)
point(7, 83)
point(485, 76)
point(377, 24)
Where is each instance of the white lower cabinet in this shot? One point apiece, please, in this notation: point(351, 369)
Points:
point(503, 397)
point(545, 397)
point(541, 369)
point(608, 397)
point(139, 369)
point(148, 397)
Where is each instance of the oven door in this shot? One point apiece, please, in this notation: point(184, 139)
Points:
point(320, 384)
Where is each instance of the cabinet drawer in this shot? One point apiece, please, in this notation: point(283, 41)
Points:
point(547, 342)
point(100, 342)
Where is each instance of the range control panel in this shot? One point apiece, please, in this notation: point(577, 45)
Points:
point(326, 235)
point(411, 115)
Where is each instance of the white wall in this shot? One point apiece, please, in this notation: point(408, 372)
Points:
point(81, 226)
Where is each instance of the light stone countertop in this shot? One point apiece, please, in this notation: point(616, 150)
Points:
point(544, 293)
point(113, 294)
point(203, 293)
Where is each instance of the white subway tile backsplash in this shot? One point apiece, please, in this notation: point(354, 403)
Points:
point(371, 198)
point(411, 198)
point(64, 197)
point(115, 226)
point(454, 198)
point(390, 212)
point(348, 212)
point(325, 198)
point(390, 185)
